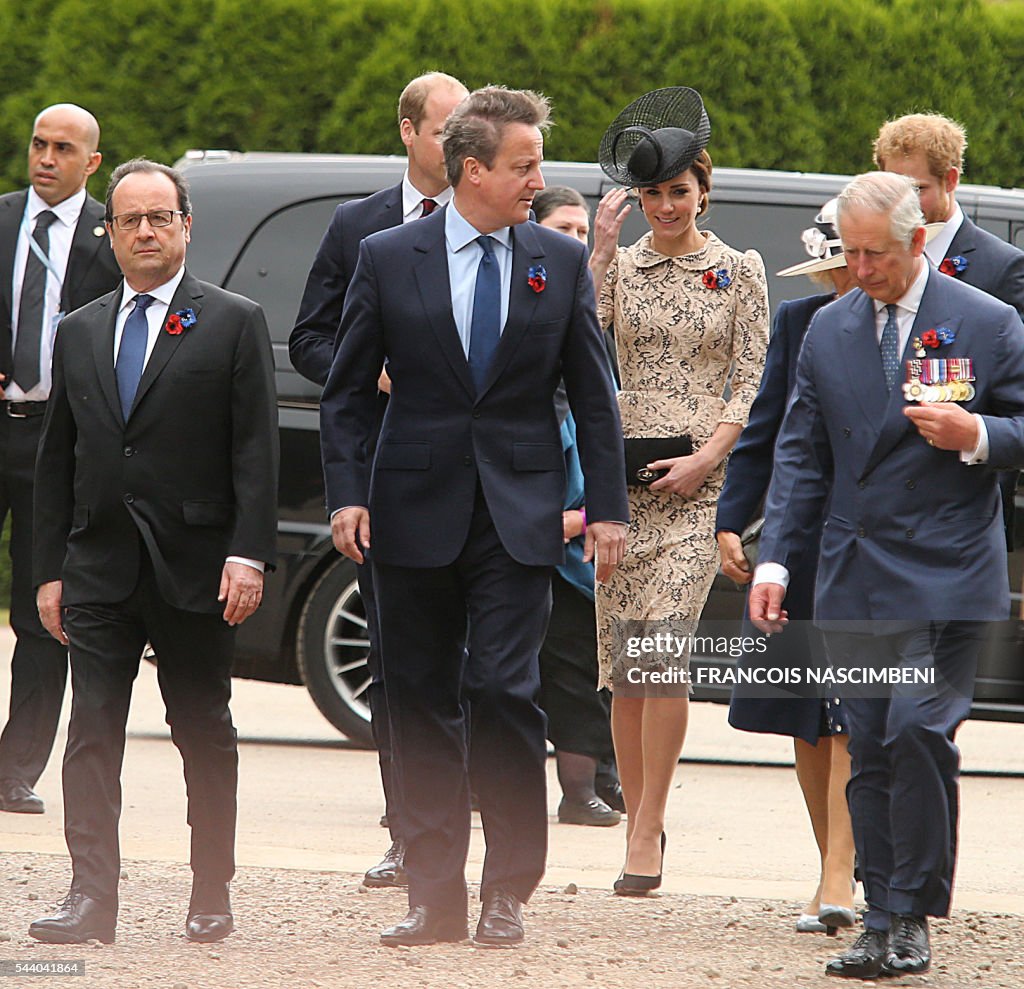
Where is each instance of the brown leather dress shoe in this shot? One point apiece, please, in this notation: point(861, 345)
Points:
point(909, 951)
point(426, 925)
point(390, 870)
point(501, 920)
point(79, 918)
point(209, 912)
point(17, 797)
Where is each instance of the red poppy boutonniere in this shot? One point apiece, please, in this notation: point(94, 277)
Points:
point(180, 321)
point(716, 279)
point(537, 278)
point(933, 339)
point(955, 265)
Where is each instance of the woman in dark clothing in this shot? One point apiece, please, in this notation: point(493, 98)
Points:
point(816, 724)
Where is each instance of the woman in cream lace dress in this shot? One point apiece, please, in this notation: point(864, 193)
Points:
point(690, 316)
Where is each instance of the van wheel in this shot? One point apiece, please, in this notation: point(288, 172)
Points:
point(331, 649)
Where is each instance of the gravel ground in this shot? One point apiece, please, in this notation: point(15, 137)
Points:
point(303, 930)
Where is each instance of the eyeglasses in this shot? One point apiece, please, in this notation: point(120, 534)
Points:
point(156, 217)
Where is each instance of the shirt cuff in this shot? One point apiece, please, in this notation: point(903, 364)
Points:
point(343, 507)
point(770, 573)
point(255, 564)
point(979, 455)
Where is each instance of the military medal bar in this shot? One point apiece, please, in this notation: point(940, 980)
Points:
point(939, 379)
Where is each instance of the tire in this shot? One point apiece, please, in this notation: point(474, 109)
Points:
point(331, 649)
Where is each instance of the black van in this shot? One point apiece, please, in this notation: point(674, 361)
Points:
point(258, 221)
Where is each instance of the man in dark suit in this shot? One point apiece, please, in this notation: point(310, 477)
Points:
point(478, 313)
point(423, 107)
point(929, 149)
point(909, 395)
point(54, 257)
point(156, 513)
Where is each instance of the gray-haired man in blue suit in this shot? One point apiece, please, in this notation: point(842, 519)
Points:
point(909, 396)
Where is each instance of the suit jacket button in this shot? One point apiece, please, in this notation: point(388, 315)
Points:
point(846, 431)
point(468, 461)
point(129, 499)
point(910, 533)
point(911, 485)
point(129, 451)
point(861, 533)
point(476, 415)
point(862, 484)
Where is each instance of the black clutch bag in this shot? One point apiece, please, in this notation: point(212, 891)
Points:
point(641, 451)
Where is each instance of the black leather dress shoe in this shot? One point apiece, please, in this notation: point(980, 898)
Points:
point(501, 920)
point(594, 812)
point(863, 959)
point(209, 912)
point(611, 794)
point(426, 925)
point(17, 797)
point(78, 919)
point(909, 950)
point(390, 870)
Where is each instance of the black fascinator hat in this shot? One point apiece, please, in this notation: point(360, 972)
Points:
point(656, 137)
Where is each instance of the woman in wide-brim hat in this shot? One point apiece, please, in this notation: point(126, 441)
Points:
point(816, 725)
point(689, 315)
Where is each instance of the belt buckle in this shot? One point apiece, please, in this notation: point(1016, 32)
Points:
point(11, 414)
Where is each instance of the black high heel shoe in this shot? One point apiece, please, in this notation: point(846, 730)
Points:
point(629, 884)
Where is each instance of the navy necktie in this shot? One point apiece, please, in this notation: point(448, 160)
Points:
point(131, 355)
point(32, 307)
point(889, 346)
point(485, 328)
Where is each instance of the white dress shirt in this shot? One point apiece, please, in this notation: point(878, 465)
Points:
point(156, 318)
point(464, 255)
point(937, 249)
point(770, 572)
point(412, 199)
point(61, 232)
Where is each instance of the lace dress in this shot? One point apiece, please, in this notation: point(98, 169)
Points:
point(678, 339)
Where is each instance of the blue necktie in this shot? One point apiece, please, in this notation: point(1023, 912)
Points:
point(485, 327)
point(889, 346)
point(131, 355)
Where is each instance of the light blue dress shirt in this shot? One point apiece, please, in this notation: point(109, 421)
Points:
point(464, 254)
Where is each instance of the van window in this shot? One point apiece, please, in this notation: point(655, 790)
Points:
point(1018, 235)
point(999, 227)
point(272, 268)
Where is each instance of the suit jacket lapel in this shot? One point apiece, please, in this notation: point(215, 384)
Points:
point(103, 351)
point(522, 300)
point(963, 239)
point(930, 314)
point(12, 209)
point(84, 244)
point(430, 269)
point(189, 294)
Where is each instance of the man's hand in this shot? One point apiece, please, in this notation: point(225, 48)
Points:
point(572, 524)
point(765, 606)
point(944, 425)
point(350, 529)
point(241, 588)
point(605, 542)
point(735, 564)
point(48, 599)
point(384, 382)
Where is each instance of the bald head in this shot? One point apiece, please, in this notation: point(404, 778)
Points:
point(63, 151)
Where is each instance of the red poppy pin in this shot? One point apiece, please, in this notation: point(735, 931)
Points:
point(955, 265)
point(716, 279)
point(537, 278)
point(180, 321)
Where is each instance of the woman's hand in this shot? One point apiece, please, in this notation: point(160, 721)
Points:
point(735, 564)
point(572, 524)
point(611, 214)
point(685, 474)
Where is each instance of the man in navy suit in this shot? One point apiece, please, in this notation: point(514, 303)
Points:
point(912, 560)
point(423, 108)
point(54, 258)
point(479, 313)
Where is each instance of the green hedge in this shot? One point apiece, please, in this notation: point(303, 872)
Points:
point(797, 84)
